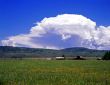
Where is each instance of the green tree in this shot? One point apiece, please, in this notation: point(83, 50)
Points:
point(63, 56)
point(106, 56)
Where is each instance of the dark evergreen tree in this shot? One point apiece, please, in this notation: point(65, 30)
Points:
point(63, 56)
point(106, 56)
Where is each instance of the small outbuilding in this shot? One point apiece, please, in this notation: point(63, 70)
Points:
point(60, 58)
point(79, 58)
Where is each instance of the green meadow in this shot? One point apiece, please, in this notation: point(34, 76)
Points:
point(54, 72)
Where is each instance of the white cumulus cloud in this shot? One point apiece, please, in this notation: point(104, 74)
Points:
point(63, 31)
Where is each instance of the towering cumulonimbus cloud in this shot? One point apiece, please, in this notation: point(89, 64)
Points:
point(63, 31)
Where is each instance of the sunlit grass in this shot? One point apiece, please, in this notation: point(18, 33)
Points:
point(60, 72)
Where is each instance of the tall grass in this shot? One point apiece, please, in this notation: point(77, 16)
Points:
point(64, 72)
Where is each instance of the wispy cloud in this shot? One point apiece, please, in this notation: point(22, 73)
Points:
point(62, 31)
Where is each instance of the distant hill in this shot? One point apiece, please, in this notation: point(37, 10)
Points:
point(81, 51)
point(11, 52)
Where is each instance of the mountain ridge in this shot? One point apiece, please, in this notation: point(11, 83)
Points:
point(9, 51)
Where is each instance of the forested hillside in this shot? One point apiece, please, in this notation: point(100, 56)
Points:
point(11, 52)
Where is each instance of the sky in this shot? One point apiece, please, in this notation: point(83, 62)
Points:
point(34, 21)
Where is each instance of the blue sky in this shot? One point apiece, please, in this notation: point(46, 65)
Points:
point(19, 16)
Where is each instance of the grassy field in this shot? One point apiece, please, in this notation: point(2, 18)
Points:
point(60, 72)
